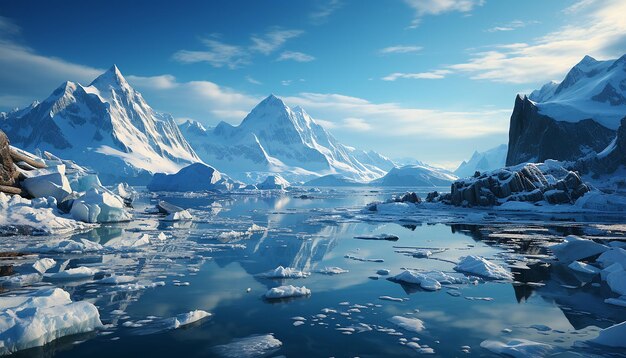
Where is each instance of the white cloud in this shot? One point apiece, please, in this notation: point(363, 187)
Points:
point(220, 54)
point(400, 49)
point(272, 40)
point(253, 81)
point(357, 124)
point(437, 7)
point(286, 82)
point(156, 82)
point(295, 56)
point(511, 26)
point(432, 75)
point(323, 11)
point(600, 32)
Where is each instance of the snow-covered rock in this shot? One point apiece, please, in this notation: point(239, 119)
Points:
point(574, 248)
point(482, 267)
point(286, 292)
point(99, 206)
point(195, 177)
point(273, 182)
point(107, 126)
point(274, 138)
point(42, 317)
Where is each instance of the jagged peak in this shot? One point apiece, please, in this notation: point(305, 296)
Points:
point(111, 78)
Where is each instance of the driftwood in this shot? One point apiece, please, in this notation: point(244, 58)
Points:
point(18, 157)
point(10, 189)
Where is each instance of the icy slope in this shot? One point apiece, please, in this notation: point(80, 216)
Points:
point(274, 138)
point(415, 175)
point(107, 126)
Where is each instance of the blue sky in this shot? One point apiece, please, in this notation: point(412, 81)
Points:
point(429, 79)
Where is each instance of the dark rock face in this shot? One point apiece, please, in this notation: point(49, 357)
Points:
point(409, 197)
point(534, 137)
point(527, 183)
point(615, 157)
point(7, 169)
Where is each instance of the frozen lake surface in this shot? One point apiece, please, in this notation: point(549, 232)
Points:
point(227, 261)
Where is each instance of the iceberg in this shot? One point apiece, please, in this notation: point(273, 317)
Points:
point(480, 266)
point(287, 291)
point(99, 206)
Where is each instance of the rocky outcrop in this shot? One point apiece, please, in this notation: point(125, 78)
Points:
point(612, 157)
point(7, 168)
point(534, 137)
point(528, 183)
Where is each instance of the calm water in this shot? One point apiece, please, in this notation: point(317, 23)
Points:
point(310, 234)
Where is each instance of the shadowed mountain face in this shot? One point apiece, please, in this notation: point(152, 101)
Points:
point(107, 126)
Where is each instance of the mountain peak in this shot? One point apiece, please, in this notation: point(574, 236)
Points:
point(111, 78)
point(272, 100)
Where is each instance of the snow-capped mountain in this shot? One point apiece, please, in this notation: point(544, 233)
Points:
point(274, 138)
point(570, 119)
point(591, 89)
point(107, 126)
point(488, 160)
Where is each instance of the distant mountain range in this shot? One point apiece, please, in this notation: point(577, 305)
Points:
point(488, 160)
point(107, 126)
point(274, 138)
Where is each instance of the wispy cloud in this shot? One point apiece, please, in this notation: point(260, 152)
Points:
point(600, 32)
point(272, 40)
point(324, 10)
point(511, 26)
point(400, 49)
point(295, 56)
point(432, 75)
point(357, 124)
point(220, 54)
point(437, 7)
point(253, 81)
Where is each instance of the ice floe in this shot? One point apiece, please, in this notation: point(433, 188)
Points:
point(287, 292)
point(285, 272)
point(519, 348)
point(249, 347)
point(41, 317)
point(410, 324)
point(575, 248)
point(482, 267)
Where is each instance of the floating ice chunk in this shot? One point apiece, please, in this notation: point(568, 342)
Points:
point(43, 265)
point(613, 268)
point(409, 324)
point(612, 336)
point(47, 182)
point(77, 273)
point(41, 317)
point(17, 211)
point(128, 242)
point(231, 235)
point(383, 272)
point(575, 248)
point(420, 349)
point(182, 215)
point(364, 259)
point(285, 272)
point(162, 236)
point(116, 280)
point(583, 268)
point(480, 266)
point(66, 246)
point(287, 291)
point(614, 255)
point(99, 206)
point(256, 228)
point(616, 280)
point(273, 182)
point(424, 281)
point(250, 347)
point(21, 280)
point(389, 298)
point(190, 317)
point(332, 270)
point(519, 348)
